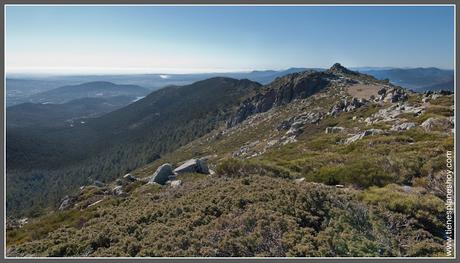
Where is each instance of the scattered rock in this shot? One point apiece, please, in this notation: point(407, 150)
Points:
point(363, 134)
point(391, 94)
point(66, 202)
point(339, 186)
point(193, 166)
point(118, 191)
point(176, 183)
point(294, 125)
point(98, 183)
point(294, 131)
point(23, 221)
point(95, 203)
point(286, 140)
point(162, 174)
point(403, 126)
point(407, 188)
point(438, 124)
point(391, 113)
point(130, 177)
point(346, 105)
point(335, 129)
point(300, 180)
point(285, 125)
point(246, 150)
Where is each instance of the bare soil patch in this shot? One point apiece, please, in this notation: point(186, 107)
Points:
point(363, 91)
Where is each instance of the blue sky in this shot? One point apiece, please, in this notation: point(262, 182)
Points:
point(227, 38)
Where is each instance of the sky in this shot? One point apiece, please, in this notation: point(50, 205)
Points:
point(188, 39)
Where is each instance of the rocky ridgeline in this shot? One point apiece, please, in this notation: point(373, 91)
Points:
point(282, 91)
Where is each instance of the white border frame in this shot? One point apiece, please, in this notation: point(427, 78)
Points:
point(227, 5)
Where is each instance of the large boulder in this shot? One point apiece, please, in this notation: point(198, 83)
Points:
point(438, 124)
point(193, 166)
point(162, 174)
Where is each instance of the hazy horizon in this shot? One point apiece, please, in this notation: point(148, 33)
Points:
point(149, 72)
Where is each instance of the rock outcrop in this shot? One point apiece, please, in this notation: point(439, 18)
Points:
point(282, 91)
point(162, 174)
point(118, 191)
point(335, 129)
point(98, 183)
point(392, 112)
point(403, 126)
point(391, 94)
point(67, 202)
point(193, 166)
point(438, 124)
point(346, 105)
point(363, 134)
point(338, 69)
point(294, 125)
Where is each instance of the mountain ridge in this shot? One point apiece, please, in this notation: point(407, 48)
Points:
point(89, 89)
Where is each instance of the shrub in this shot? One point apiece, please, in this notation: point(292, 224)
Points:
point(241, 168)
point(363, 173)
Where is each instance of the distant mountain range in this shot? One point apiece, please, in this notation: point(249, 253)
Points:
point(25, 89)
point(418, 79)
point(97, 89)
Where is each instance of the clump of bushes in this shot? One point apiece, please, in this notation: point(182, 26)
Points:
point(426, 208)
point(240, 168)
point(250, 215)
point(363, 173)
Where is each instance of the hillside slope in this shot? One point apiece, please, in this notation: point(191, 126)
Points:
point(54, 162)
point(355, 168)
point(66, 114)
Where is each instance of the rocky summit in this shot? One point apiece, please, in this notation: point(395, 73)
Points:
point(316, 164)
